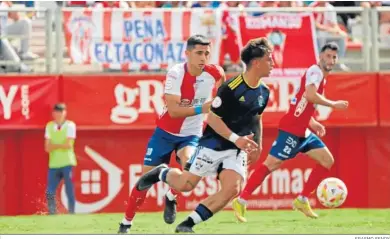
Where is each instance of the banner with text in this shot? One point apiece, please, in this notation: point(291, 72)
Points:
point(134, 102)
point(25, 102)
point(285, 31)
point(137, 40)
point(110, 163)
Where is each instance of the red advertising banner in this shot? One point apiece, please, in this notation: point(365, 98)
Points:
point(133, 102)
point(25, 102)
point(285, 31)
point(384, 99)
point(110, 163)
point(114, 101)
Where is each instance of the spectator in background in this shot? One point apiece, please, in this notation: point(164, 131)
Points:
point(60, 135)
point(7, 52)
point(262, 4)
point(290, 4)
point(202, 4)
point(111, 4)
point(173, 4)
point(143, 4)
point(20, 27)
point(345, 17)
point(328, 29)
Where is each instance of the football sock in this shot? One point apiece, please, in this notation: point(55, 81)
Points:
point(171, 194)
point(126, 222)
point(254, 181)
point(163, 175)
point(302, 198)
point(134, 202)
point(318, 173)
point(201, 214)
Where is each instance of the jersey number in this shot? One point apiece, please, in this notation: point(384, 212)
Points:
point(291, 143)
point(287, 149)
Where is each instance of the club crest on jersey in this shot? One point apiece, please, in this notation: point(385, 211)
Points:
point(261, 101)
point(217, 102)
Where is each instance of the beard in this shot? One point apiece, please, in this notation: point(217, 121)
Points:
point(325, 67)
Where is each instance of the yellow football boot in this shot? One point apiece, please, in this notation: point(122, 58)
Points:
point(304, 207)
point(239, 210)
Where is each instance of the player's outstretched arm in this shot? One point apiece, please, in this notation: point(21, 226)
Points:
point(178, 110)
point(313, 97)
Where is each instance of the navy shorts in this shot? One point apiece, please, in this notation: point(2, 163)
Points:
point(162, 144)
point(287, 146)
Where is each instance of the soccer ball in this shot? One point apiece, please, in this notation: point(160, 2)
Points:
point(332, 192)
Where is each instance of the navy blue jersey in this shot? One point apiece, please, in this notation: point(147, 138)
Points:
point(239, 107)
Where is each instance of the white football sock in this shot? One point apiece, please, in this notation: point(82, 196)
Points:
point(126, 222)
point(302, 198)
point(170, 195)
point(195, 217)
point(242, 201)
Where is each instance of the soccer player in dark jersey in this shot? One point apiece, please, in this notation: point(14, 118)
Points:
point(294, 136)
point(227, 142)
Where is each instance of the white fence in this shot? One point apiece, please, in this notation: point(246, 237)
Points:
point(371, 54)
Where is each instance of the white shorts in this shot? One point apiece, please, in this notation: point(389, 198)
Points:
point(207, 162)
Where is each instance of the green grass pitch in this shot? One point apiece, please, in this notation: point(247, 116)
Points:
point(337, 221)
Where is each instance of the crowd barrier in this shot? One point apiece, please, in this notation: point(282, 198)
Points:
point(115, 117)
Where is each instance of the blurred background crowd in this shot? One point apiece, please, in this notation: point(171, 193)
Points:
point(338, 26)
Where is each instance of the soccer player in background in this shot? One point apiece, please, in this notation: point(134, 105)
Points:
point(189, 88)
point(60, 135)
point(294, 136)
point(234, 119)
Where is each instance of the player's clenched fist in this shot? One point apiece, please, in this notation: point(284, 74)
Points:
point(246, 143)
point(340, 104)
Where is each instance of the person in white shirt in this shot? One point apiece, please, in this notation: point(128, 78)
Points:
point(328, 29)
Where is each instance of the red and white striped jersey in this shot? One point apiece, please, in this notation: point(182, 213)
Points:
point(194, 91)
point(297, 119)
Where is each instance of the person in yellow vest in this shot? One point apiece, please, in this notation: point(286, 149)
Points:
point(60, 135)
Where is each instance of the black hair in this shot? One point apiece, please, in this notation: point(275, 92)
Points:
point(256, 48)
point(59, 107)
point(197, 40)
point(331, 46)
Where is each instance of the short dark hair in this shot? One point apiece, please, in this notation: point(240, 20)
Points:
point(255, 48)
point(197, 40)
point(59, 107)
point(331, 46)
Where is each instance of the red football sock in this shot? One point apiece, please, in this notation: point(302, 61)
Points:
point(136, 199)
point(254, 181)
point(315, 178)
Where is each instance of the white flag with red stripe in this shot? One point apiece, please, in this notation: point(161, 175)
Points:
point(135, 40)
